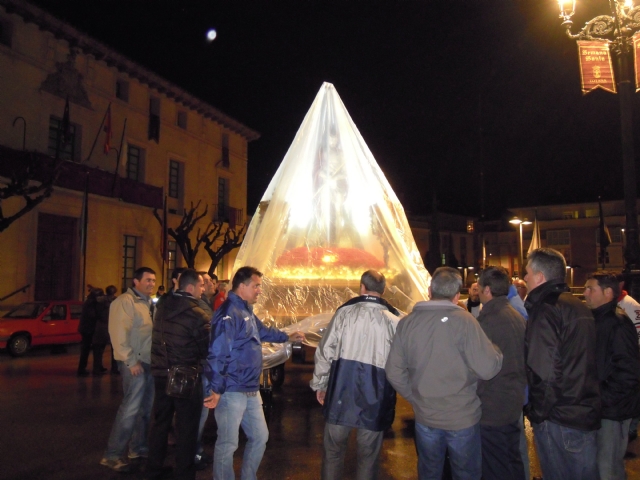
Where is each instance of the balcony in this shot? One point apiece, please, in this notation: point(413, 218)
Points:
point(73, 176)
point(224, 213)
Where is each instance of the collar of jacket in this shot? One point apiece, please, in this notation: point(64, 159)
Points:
point(371, 299)
point(437, 305)
point(541, 292)
point(602, 310)
point(239, 302)
point(182, 293)
point(139, 295)
point(496, 303)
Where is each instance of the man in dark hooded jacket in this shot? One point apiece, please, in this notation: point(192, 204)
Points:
point(180, 337)
point(618, 371)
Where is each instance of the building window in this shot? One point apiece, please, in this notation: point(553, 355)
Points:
point(175, 179)
point(154, 119)
point(223, 198)
point(129, 255)
point(592, 213)
point(569, 215)
point(182, 119)
point(558, 237)
point(135, 160)
point(122, 90)
point(5, 33)
point(469, 226)
point(57, 147)
point(225, 150)
point(614, 232)
point(172, 257)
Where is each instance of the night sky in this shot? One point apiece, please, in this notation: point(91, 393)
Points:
point(437, 89)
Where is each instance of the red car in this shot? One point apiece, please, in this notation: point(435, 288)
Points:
point(40, 323)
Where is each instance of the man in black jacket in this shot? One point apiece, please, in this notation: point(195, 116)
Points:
point(503, 395)
point(618, 371)
point(560, 356)
point(180, 337)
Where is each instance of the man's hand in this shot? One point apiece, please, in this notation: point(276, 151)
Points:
point(297, 337)
point(136, 369)
point(212, 400)
point(320, 394)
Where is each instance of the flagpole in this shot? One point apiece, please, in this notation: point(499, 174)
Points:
point(115, 175)
point(164, 239)
point(98, 134)
point(85, 232)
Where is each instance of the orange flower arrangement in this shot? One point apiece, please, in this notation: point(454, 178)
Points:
point(328, 257)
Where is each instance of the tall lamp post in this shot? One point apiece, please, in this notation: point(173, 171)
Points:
point(520, 223)
point(619, 28)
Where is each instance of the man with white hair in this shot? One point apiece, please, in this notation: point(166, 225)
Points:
point(560, 355)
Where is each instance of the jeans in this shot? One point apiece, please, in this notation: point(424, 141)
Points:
point(85, 350)
point(566, 453)
point(335, 446)
point(501, 457)
point(187, 413)
point(524, 450)
point(237, 409)
point(464, 452)
point(131, 425)
point(613, 437)
point(203, 420)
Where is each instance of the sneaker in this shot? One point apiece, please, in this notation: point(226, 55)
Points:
point(203, 457)
point(115, 464)
point(137, 456)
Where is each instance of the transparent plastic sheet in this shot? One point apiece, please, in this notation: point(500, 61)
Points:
point(328, 215)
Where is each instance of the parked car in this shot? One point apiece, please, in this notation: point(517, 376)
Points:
point(40, 323)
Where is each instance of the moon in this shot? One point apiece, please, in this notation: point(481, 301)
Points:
point(212, 34)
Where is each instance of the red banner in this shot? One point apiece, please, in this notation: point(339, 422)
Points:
point(636, 58)
point(596, 70)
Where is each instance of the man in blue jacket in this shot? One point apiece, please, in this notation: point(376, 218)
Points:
point(349, 378)
point(233, 372)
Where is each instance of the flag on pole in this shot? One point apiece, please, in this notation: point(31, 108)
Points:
point(108, 130)
point(605, 236)
point(124, 153)
point(535, 239)
point(66, 124)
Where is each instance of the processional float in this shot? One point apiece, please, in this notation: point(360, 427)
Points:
point(328, 215)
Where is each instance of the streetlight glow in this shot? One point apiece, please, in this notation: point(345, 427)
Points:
point(567, 7)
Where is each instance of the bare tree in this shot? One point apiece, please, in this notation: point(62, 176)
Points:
point(181, 234)
point(31, 181)
point(209, 238)
point(231, 239)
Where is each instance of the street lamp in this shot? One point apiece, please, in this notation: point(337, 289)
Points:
point(618, 28)
point(517, 221)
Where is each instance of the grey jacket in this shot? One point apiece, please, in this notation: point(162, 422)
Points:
point(437, 356)
point(130, 327)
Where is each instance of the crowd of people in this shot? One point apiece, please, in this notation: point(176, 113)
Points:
point(471, 371)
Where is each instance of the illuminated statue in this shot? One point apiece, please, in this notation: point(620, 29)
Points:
point(328, 215)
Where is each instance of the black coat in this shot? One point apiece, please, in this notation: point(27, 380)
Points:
point(618, 363)
point(180, 332)
point(101, 308)
point(88, 317)
point(560, 356)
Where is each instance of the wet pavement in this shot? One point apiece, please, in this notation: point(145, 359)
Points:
point(54, 425)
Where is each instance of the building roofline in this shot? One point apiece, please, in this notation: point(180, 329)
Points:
point(89, 46)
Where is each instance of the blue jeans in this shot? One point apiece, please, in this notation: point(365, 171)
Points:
point(613, 437)
point(131, 426)
point(236, 409)
point(566, 453)
point(465, 452)
point(368, 444)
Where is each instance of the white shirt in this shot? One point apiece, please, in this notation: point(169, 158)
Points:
point(632, 309)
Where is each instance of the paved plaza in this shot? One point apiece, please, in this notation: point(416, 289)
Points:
point(55, 425)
